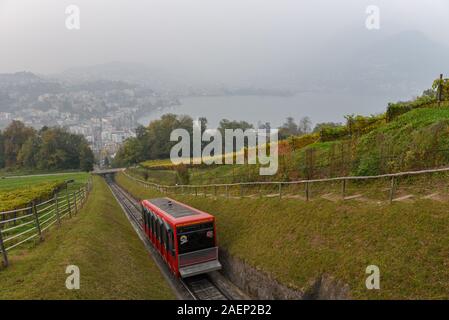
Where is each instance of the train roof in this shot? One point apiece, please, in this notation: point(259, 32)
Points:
point(177, 211)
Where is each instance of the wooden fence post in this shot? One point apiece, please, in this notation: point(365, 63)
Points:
point(196, 191)
point(57, 209)
point(280, 190)
point(81, 197)
point(343, 188)
point(392, 189)
point(2, 248)
point(68, 201)
point(241, 191)
point(227, 192)
point(36, 218)
point(307, 191)
point(74, 200)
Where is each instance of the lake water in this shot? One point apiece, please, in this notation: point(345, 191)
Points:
point(274, 109)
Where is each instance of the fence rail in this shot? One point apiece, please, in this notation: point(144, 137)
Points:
point(19, 226)
point(279, 185)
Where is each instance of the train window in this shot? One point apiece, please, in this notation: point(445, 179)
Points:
point(161, 232)
point(195, 237)
point(171, 243)
point(152, 224)
point(156, 234)
point(159, 229)
point(153, 229)
point(147, 218)
point(164, 235)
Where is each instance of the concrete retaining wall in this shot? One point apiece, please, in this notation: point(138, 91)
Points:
point(260, 285)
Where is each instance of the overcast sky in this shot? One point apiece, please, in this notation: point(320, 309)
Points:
point(208, 37)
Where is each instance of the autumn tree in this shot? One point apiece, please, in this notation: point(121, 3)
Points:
point(14, 137)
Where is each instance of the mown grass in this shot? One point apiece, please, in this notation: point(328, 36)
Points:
point(167, 177)
point(11, 183)
point(297, 241)
point(100, 240)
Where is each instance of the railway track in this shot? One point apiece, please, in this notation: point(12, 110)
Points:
point(199, 287)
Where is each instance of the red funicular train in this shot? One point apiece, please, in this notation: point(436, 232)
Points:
point(185, 237)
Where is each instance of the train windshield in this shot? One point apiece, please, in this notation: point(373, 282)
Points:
point(195, 237)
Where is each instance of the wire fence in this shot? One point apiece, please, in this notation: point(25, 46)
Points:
point(301, 189)
point(20, 226)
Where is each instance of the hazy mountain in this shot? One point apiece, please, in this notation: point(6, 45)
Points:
point(17, 89)
point(133, 73)
point(18, 79)
point(407, 62)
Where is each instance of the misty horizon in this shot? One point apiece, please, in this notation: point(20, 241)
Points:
point(257, 61)
point(255, 43)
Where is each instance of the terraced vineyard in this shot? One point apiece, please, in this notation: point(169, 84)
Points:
point(20, 191)
point(27, 209)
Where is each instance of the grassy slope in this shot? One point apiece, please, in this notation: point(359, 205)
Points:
point(112, 260)
point(297, 241)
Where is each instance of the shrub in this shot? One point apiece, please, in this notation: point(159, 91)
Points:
point(359, 125)
point(333, 133)
point(20, 198)
point(299, 142)
point(182, 174)
point(396, 109)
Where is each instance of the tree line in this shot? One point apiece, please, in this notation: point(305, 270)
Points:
point(153, 142)
point(50, 148)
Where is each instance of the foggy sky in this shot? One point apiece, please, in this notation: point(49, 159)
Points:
point(211, 40)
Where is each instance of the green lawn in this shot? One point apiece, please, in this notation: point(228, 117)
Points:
point(15, 182)
point(297, 241)
point(100, 240)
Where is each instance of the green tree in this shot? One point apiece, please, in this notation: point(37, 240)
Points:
point(289, 128)
point(305, 125)
point(14, 136)
point(153, 142)
point(322, 125)
point(443, 86)
point(28, 154)
point(86, 158)
point(48, 148)
point(227, 124)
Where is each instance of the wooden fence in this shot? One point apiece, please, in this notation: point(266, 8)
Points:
point(212, 189)
point(20, 226)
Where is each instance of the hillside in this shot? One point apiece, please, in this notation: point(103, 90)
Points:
point(113, 262)
point(409, 136)
point(298, 242)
